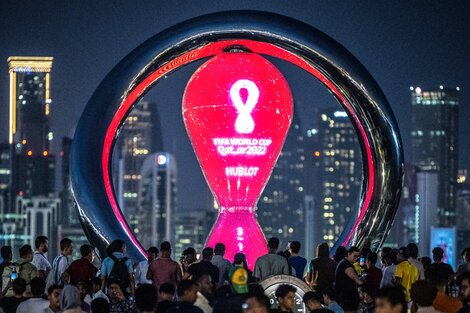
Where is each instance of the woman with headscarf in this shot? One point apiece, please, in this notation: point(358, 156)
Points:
point(70, 300)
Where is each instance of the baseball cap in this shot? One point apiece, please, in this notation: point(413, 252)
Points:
point(239, 280)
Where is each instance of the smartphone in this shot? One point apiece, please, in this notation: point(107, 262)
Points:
point(362, 261)
point(14, 275)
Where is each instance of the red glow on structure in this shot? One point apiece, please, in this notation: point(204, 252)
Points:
point(237, 109)
point(210, 50)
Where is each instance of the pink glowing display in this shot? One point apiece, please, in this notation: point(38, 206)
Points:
point(237, 109)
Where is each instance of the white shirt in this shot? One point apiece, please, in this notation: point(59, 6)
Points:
point(387, 275)
point(203, 303)
point(59, 266)
point(32, 305)
point(141, 273)
point(98, 294)
point(41, 262)
point(419, 266)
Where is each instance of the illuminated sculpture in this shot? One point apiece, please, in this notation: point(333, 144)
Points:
point(237, 109)
point(212, 35)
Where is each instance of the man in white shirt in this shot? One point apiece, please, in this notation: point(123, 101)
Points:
point(143, 266)
point(413, 258)
point(222, 263)
point(205, 292)
point(39, 259)
point(61, 263)
point(36, 303)
point(53, 294)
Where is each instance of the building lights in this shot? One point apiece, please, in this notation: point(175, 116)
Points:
point(30, 153)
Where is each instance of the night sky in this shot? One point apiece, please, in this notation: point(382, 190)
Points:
point(402, 44)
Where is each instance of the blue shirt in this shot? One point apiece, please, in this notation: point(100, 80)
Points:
point(298, 263)
point(334, 306)
point(108, 263)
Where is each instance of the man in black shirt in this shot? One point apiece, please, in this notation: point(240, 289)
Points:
point(312, 301)
point(204, 266)
point(187, 295)
point(347, 280)
point(438, 265)
point(10, 304)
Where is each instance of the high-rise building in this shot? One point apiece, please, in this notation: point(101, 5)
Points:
point(427, 200)
point(4, 172)
point(192, 228)
point(339, 174)
point(157, 200)
point(132, 148)
point(434, 139)
point(281, 205)
point(32, 163)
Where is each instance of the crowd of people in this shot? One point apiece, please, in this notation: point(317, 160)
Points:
point(350, 281)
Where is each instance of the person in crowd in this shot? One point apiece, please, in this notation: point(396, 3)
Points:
point(36, 302)
point(285, 295)
point(405, 272)
point(329, 298)
point(360, 264)
point(7, 255)
point(82, 269)
point(39, 259)
point(204, 295)
point(321, 270)
point(438, 265)
point(423, 294)
point(312, 301)
point(26, 269)
point(347, 280)
point(414, 255)
point(166, 295)
point(100, 305)
point(70, 299)
point(383, 252)
point(205, 266)
point(340, 254)
point(221, 263)
point(296, 261)
point(372, 276)
point(118, 302)
point(60, 264)
point(391, 299)
point(187, 259)
point(146, 298)
point(117, 267)
point(367, 303)
point(53, 295)
point(389, 260)
point(82, 289)
point(187, 292)
point(239, 260)
point(10, 304)
point(286, 255)
point(465, 292)
point(438, 276)
point(96, 291)
point(257, 303)
point(143, 266)
point(164, 269)
point(465, 266)
point(271, 264)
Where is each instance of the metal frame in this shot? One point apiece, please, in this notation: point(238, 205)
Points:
point(205, 36)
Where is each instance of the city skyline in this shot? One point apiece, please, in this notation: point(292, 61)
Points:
point(410, 67)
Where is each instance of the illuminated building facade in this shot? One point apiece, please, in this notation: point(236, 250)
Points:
point(133, 147)
point(427, 199)
point(32, 164)
point(157, 199)
point(340, 175)
point(4, 172)
point(281, 205)
point(191, 229)
point(434, 142)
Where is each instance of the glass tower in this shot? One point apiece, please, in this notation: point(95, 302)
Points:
point(434, 139)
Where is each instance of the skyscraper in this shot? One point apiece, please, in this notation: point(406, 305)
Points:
point(281, 205)
point(340, 175)
point(426, 207)
point(434, 139)
point(132, 148)
point(32, 163)
point(157, 199)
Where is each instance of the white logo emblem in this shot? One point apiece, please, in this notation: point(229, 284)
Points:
point(244, 123)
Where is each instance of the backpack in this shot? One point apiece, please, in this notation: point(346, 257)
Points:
point(119, 272)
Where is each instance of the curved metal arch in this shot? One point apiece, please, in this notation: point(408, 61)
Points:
point(205, 36)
